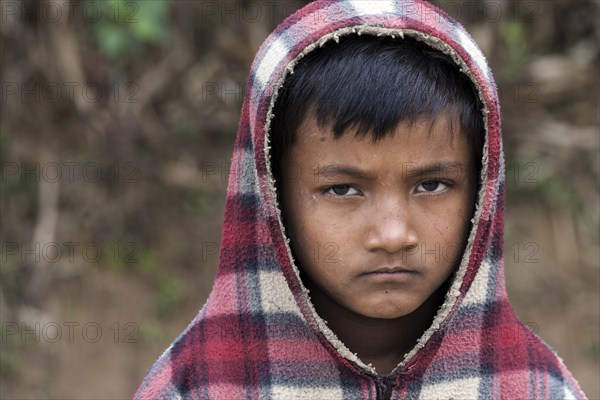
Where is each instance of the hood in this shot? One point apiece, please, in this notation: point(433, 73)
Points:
point(259, 336)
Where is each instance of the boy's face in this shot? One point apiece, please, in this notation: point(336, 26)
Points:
point(378, 228)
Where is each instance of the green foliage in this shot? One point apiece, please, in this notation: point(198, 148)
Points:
point(195, 200)
point(551, 190)
point(168, 292)
point(555, 191)
point(152, 20)
point(185, 130)
point(151, 332)
point(594, 351)
point(10, 361)
point(127, 25)
point(20, 187)
point(514, 37)
point(169, 295)
point(3, 144)
point(148, 264)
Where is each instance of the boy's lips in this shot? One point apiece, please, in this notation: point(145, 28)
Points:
point(389, 271)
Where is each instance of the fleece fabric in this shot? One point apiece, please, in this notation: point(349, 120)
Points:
point(259, 337)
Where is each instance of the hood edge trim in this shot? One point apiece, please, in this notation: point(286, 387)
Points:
point(453, 293)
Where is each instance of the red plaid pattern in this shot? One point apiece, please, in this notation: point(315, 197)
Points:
point(258, 337)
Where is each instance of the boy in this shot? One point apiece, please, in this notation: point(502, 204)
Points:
point(361, 256)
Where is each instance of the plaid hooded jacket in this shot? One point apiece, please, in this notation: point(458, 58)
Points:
point(258, 335)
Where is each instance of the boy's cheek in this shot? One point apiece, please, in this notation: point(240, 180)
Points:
point(317, 247)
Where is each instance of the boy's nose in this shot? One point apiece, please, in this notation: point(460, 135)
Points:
point(391, 228)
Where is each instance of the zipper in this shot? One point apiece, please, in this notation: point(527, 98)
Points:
point(384, 387)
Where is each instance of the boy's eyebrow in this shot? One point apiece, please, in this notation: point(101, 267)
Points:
point(410, 169)
point(415, 169)
point(333, 169)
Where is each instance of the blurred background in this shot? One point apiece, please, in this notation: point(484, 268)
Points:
point(117, 125)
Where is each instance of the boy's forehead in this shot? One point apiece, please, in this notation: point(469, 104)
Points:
point(427, 144)
point(446, 123)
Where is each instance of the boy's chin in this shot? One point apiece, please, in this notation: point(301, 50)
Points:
point(390, 311)
point(390, 307)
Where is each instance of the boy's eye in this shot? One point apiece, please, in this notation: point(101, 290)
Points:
point(431, 186)
point(342, 190)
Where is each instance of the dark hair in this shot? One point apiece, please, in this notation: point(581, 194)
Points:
point(371, 84)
